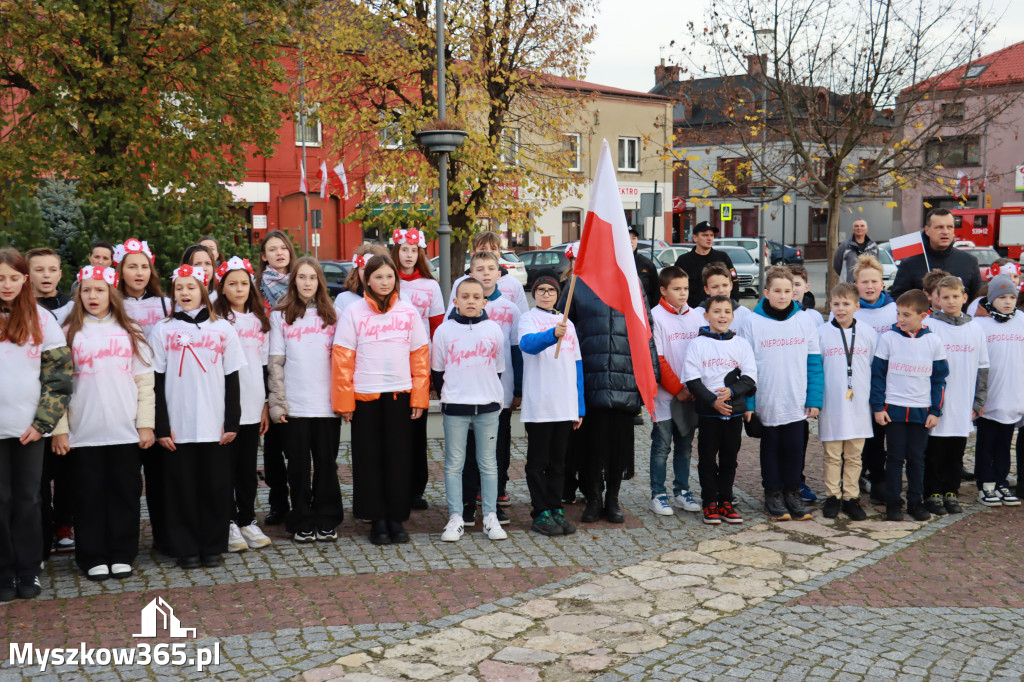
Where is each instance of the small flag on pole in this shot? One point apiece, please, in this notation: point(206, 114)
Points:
point(302, 180)
point(907, 245)
point(323, 179)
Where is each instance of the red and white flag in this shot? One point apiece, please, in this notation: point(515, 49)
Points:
point(605, 262)
point(302, 179)
point(335, 176)
point(907, 245)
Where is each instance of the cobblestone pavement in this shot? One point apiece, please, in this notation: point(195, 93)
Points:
point(655, 598)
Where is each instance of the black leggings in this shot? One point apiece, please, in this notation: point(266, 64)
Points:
point(243, 472)
point(21, 469)
point(275, 472)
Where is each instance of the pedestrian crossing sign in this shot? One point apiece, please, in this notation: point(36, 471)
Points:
point(726, 211)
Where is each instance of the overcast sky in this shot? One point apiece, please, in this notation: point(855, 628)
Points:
point(631, 34)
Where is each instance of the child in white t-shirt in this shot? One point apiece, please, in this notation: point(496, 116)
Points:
point(908, 384)
point(355, 280)
point(717, 279)
point(967, 388)
point(803, 296)
point(467, 359)
point(552, 403)
point(675, 421)
point(844, 423)
point(509, 286)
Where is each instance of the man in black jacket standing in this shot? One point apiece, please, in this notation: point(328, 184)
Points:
point(646, 270)
point(939, 253)
point(694, 261)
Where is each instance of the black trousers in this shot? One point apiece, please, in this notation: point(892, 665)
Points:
point(803, 459)
point(382, 457)
point(1020, 462)
point(781, 456)
point(275, 472)
point(718, 443)
point(243, 472)
point(312, 450)
point(57, 502)
point(471, 471)
point(547, 443)
point(418, 447)
point(197, 493)
point(992, 452)
point(873, 459)
point(21, 469)
point(609, 438)
point(943, 459)
point(573, 461)
point(107, 505)
point(153, 470)
point(907, 443)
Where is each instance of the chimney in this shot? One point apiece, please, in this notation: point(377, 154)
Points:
point(663, 75)
point(754, 64)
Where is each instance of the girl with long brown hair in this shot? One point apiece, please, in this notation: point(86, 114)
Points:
point(354, 280)
point(301, 333)
point(36, 366)
point(110, 418)
point(139, 283)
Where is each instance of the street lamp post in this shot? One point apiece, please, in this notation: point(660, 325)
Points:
point(763, 37)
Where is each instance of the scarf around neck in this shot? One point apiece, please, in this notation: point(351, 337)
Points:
point(273, 285)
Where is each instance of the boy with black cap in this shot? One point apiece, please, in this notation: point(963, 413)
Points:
point(552, 403)
point(696, 259)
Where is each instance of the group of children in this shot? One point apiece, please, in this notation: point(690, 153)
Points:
point(896, 386)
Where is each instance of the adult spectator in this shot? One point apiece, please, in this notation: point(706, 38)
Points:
point(703, 252)
point(849, 250)
point(646, 270)
point(939, 253)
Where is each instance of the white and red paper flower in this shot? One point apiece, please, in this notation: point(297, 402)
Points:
point(361, 259)
point(189, 271)
point(411, 236)
point(132, 246)
point(108, 275)
point(234, 263)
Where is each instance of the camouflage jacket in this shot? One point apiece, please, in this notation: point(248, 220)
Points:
point(55, 376)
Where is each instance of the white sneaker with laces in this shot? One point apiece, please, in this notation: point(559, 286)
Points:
point(493, 528)
point(454, 530)
point(988, 495)
point(660, 506)
point(236, 543)
point(1009, 499)
point(684, 500)
point(254, 537)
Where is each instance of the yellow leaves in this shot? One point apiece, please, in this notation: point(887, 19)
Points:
point(787, 199)
point(927, 205)
point(891, 204)
point(860, 209)
point(693, 157)
point(940, 167)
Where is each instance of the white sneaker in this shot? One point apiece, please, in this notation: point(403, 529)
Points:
point(236, 543)
point(493, 528)
point(1009, 499)
point(988, 495)
point(660, 506)
point(684, 500)
point(98, 572)
point(454, 530)
point(254, 537)
point(120, 570)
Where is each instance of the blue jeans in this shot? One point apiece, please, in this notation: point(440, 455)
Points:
point(663, 434)
point(485, 431)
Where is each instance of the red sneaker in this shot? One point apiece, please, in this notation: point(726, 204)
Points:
point(711, 514)
point(728, 513)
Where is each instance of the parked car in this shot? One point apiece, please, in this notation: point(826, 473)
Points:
point(888, 267)
point(539, 263)
point(783, 254)
point(986, 255)
point(509, 260)
point(747, 243)
point(747, 271)
point(335, 272)
point(669, 256)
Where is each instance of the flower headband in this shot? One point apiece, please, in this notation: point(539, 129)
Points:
point(411, 236)
point(132, 246)
point(572, 250)
point(360, 260)
point(108, 275)
point(234, 263)
point(1010, 268)
point(189, 271)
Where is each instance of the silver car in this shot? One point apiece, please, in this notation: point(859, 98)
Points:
point(747, 271)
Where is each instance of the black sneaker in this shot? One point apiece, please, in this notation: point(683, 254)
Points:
point(830, 510)
point(326, 535)
point(305, 536)
point(29, 587)
point(567, 527)
point(211, 560)
point(774, 506)
point(419, 503)
point(545, 524)
point(8, 589)
point(934, 505)
point(894, 512)
point(917, 511)
point(952, 503)
point(853, 509)
point(795, 505)
point(503, 518)
point(275, 517)
point(613, 511)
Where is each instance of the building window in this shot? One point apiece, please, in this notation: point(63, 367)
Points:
point(316, 219)
point(629, 153)
point(975, 70)
point(818, 221)
point(953, 152)
point(571, 224)
point(681, 179)
point(571, 145)
point(308, 131)
point(509, 154)
point(391, 130)
point(733, 177)
point(953, 111)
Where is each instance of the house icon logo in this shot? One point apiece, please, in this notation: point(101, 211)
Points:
point(158, 616)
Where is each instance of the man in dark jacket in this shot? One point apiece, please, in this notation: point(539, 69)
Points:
point(612, 399)
point(703, 252)
point(939, 253)
point(849, 250)
point(646, 270)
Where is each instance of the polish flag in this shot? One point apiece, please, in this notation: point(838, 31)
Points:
point(302, 179)
point(336, 176)
point(605, 262)
point(907, 245)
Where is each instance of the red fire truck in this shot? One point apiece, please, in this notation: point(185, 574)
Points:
point(1001, 228)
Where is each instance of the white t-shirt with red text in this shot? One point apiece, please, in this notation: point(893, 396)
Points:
point(966, 353)
point(147, 311)
point(504, 313)
point(509, 287)
point(306, 345)
point(382, 342)
point(471, 357)
point(1005, 341)
point(345, 299)
point(549, 383)
point(843, 418)
point(711, 360)
point(908, 379)
point(194, 359)
point(256, 348)
point(423, 294)
point(19, 367)
point(673, 333)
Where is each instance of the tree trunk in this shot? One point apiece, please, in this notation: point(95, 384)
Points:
point(459, 246)
point(832, 242)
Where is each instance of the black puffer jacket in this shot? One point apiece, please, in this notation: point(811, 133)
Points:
point(954, 261)
point(608, 380)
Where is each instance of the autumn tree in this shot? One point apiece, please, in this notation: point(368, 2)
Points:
point(373, 77)
point(841, 100)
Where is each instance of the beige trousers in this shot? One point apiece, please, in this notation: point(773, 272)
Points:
point(838, 453)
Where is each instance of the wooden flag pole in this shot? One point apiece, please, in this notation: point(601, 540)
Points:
point(565, 315)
